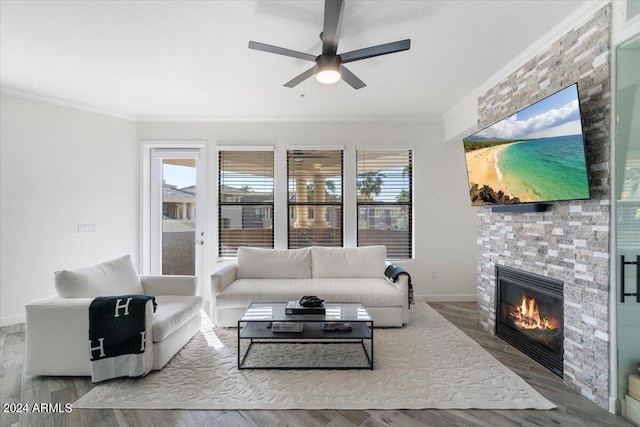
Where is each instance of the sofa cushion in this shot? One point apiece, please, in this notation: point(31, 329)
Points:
point(115, 277)
point(368, 261)
point(372, 292)
point(172, 312)
point(258, 263)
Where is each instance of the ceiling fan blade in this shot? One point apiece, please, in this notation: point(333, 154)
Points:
point(370, 52)
point(280, 51)
point(331, 29)
point(351, 78)
point(302, 77)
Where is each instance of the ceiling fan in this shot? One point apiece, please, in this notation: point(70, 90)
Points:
point(329, 66)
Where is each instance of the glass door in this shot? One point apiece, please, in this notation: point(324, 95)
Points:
point(628, 212)
point(177, 212)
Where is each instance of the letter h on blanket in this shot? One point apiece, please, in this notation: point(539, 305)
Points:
point(118, 333)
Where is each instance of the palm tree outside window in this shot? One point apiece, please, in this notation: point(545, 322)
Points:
point(384, 187)
point(315, 198)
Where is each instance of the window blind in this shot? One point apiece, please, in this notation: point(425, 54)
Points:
point(384, 186)
point(315, 198)
point(245, 200)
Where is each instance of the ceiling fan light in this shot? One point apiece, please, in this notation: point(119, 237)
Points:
point(328, 75)
point(328, 68)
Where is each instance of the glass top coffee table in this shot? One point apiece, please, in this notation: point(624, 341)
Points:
point(342, 338)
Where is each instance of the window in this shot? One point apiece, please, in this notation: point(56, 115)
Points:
point(314, 197)
point(385, 197)
point(245, 200)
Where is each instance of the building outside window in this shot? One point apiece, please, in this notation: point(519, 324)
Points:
point(245, 200)
point(384, 186)
point(315, 198)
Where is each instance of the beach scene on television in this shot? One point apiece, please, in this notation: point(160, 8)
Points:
point(534, 155)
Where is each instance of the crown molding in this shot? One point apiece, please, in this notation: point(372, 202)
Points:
point(579, 17)
point(466, 102)
point(574, 20)
point(63, 103)
point(185, 119)
point(303, 119)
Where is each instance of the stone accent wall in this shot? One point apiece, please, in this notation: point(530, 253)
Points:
point(569, 242)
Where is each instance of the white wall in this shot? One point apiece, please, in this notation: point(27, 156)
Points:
point(61, 167)
point(445, 223)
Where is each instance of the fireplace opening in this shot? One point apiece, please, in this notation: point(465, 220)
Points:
point(530, 315)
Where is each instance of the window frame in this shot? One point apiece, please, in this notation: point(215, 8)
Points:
point(222, 203)
point(311, 204)
point(409, 204)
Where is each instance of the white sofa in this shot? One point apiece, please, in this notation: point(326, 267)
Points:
point(334, 274)
point(57, 327)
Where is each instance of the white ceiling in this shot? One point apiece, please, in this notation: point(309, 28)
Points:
point(189, 59)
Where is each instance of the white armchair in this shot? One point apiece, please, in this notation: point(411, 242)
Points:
point(57, 327)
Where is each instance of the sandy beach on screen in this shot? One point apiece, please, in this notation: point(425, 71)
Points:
point(481, 165)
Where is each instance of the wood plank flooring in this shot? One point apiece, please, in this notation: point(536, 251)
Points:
point(573, 409)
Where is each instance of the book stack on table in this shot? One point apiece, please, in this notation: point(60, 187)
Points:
point(294, 307)
point(337, 326)
point(287, 326)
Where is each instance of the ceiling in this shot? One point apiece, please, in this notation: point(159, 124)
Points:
point(188, 60)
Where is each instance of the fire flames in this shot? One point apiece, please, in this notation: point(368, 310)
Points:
point(527, 316)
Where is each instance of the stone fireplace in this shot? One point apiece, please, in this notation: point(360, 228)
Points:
point(569, 242)
point(530, 315)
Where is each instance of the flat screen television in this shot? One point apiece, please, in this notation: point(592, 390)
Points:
point(536, 155)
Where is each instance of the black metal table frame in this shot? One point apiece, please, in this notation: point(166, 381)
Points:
point(328, 337)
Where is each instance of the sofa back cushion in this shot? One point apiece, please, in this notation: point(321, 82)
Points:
point(115, 277)
point(368, 261)
point(259, 263)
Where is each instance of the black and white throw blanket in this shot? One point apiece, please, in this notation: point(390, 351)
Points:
point(393, 272)
point(117, 336)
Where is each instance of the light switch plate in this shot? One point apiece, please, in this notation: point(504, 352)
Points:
point(87, 228)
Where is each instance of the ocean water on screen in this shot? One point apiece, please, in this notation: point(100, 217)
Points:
point(545, 169)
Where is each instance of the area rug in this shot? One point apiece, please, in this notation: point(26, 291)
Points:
point(428, 364)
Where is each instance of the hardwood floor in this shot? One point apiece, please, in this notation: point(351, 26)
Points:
point(573, 409)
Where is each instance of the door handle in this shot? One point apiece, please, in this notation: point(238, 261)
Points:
point(623, 292)
point(200, 242)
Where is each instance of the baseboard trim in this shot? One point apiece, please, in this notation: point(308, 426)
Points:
point(447, 298)
point(12, 320)
point(614, 405)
